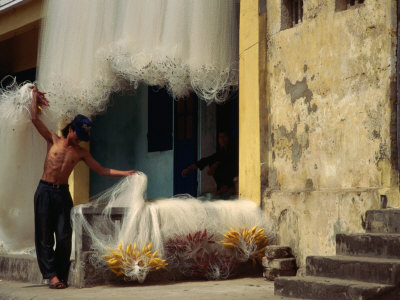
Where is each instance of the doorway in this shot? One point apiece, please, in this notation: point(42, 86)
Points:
point(185, 144)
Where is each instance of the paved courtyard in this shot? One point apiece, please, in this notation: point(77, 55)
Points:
point(243, 288)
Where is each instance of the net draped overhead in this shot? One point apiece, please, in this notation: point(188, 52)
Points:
point(89, 49)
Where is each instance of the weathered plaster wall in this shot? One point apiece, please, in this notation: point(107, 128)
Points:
point(249, 126)
point(331, 94)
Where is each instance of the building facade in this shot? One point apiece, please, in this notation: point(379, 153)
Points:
point(320, 78)
point(318, 116)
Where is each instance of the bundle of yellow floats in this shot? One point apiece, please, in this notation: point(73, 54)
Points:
point(129, 261)
point(247, 243)
point(240, 245)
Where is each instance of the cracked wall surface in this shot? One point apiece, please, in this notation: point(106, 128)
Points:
point(330, 87)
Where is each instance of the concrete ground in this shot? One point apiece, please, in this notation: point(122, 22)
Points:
point(243, 288)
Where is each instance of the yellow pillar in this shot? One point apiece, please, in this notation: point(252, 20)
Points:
point(79, 181)
point(249, 116)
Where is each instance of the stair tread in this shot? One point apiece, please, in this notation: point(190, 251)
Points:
point(389, 209)
point(367, 259)
point(338, 281)
point(316, 287)
point(372, 234)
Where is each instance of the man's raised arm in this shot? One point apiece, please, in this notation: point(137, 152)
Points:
point(36, 107)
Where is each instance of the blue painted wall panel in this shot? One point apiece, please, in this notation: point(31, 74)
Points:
point(119, 141)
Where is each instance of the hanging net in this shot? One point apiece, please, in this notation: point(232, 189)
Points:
point(89, 49)
point(21, 163)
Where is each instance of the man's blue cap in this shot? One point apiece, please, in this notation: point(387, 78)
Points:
point(81, 125)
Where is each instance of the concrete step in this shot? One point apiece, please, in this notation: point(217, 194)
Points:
point(280, 263)
point(277, 251)
point(384, 245)
point(382, 220)
point(310, 287)
point(19, 268)
point(368, 269)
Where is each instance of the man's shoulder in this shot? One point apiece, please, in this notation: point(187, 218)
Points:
point(81, 151)
point(79, 148)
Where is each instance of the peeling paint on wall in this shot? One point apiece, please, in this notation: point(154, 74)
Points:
point(290, 145)
point(300, 90)
point(331, 98)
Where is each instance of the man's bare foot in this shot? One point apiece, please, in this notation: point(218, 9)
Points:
point(54, 279)
point(56, 283)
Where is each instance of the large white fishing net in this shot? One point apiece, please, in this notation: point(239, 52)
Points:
point(201, 239)
point(89, 49)
point(22, 152)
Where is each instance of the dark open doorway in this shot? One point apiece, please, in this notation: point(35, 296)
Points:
point(185, 144)
point(228, 117)
point(196, 129)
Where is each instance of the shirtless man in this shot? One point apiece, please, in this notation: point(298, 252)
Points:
point(53, 201)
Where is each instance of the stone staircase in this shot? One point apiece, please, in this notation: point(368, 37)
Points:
point(19, 267)
point(366, 266)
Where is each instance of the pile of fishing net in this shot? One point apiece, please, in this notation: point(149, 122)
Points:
point(198, 239)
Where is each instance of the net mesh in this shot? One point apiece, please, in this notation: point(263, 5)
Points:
point(187, 235)
point(184, 45)
point(89, 49)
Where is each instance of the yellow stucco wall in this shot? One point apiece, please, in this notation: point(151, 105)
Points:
point(19, 32)
point(19, 19)
point(249, 127)
point(331, 87)
point(79, 181)
point(322, 95)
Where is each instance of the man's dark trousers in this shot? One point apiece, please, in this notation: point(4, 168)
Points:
point(53, 205)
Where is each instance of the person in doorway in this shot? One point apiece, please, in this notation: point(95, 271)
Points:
point(222, 165)
point(52, 200)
